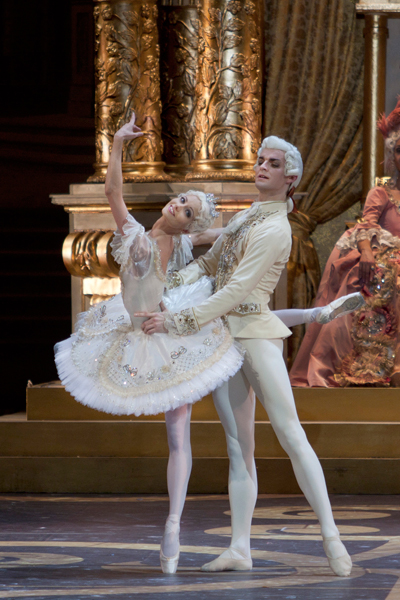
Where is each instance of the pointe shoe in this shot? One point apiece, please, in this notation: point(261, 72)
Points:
point(169, 564)
point(229, 564)
point(340, 565)
point(340, 307)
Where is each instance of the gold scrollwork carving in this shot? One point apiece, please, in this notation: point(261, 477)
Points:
point(88, 254)
point(127, 80)
point(228, 91)
point(178, 66)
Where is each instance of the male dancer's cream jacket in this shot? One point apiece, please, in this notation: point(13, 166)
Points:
point(246, 261)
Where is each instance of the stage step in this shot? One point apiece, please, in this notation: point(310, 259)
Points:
point(131, 457)
point(148, 439)
point(64, 475)
point(50, 401)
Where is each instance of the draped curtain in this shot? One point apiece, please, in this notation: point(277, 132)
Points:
point(314, 53)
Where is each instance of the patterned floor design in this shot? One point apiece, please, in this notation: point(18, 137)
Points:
point(77, 547)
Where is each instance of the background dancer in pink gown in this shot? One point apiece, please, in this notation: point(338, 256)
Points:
point(364, 348)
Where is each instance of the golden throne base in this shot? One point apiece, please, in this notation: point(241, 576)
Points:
point(60, 446)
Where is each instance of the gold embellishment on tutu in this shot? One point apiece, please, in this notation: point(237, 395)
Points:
point(157, 260)
point(181, 350)
point(132, 371)
point(246, 309)
point(190, 364)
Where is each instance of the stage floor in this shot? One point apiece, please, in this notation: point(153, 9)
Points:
point(82, 547)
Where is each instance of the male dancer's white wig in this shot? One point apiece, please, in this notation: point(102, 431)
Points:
point(293, 160)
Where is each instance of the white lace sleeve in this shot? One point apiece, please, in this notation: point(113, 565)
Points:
point(122, 243)
point(382, 237)
point(186, 250)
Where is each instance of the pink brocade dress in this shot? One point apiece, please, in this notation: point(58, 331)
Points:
point(359, 349)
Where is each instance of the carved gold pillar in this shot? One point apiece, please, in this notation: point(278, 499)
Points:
point(178, 66)
point(375, 33)
point(127, 80)
point(228, 92)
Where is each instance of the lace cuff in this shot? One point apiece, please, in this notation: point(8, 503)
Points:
point(173, 280)
point(383, 237)
point(182, 323)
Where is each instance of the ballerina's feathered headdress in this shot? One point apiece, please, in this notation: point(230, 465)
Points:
point(389, 126)
point(390, 123)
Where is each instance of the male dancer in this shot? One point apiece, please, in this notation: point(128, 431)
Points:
point(247, 261)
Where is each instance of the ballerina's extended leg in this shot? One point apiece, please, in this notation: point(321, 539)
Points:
point(321, 314)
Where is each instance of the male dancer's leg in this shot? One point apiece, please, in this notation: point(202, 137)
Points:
point(178, 472)
point(266, 371)
point(235, 403)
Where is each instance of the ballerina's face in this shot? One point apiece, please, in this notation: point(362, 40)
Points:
point(180, 212)
point(270, 171)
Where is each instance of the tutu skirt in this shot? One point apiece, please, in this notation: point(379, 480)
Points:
point(111, 365)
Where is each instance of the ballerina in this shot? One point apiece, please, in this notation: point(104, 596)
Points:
point(111, 364)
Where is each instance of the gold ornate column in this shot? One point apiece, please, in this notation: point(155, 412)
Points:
point(127, 80)
point(228, 92)
point(178, 65)
point(375, 34)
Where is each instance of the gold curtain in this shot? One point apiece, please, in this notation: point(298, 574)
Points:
point(314, 99)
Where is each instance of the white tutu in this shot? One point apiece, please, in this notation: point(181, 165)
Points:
point(111, 366)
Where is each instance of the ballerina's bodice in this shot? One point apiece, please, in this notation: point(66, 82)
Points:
point(142, 280)
point(142, 277)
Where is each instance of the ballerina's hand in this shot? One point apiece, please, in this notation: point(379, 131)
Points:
point(129, 131)
point(154, 323)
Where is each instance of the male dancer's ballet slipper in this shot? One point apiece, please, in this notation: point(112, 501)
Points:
point(229, 563)
point(170, 564)
point(342, 564)
point(340, 307)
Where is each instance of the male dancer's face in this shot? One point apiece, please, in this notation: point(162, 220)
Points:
point(270, 172)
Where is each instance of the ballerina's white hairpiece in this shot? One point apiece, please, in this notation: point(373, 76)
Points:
point(212, 202)
point(207, 213)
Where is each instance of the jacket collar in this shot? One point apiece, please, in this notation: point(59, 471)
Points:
point(271, 206)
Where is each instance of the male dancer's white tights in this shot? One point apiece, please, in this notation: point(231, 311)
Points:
point(264, 370)
point(241, 418)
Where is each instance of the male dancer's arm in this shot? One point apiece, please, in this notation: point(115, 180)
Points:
point(204, 265)
point(266, 246)
point(263, 250)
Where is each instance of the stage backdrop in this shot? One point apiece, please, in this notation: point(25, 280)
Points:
point(314, 98)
